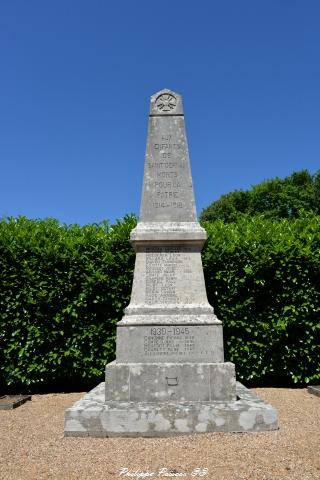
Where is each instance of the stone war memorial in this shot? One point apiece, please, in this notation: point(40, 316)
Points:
point(169, 376)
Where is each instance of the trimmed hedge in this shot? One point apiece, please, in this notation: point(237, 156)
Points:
point(263, 278)
point(63, 288)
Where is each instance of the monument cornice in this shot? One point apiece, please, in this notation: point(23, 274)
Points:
point(161, 233)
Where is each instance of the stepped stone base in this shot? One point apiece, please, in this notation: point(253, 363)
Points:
point(92, 416)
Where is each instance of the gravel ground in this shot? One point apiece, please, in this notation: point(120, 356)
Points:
point(33, 446)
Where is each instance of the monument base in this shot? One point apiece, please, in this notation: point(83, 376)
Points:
point(92, 416)
point(170, 382)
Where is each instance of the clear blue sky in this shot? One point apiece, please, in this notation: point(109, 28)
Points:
point(76, 78)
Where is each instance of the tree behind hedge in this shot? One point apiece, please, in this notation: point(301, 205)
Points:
point(276, 198)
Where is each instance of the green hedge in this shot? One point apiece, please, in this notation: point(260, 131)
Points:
point(63, 288)
point(263, 278)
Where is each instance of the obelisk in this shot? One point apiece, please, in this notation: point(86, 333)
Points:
point(169, 318)
point(169, 376)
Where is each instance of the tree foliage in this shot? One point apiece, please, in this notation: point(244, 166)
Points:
point(276, 198)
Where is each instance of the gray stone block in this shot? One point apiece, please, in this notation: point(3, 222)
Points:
point(170, 343)
point(156, 382)
point(117, 382)
point(222, 382)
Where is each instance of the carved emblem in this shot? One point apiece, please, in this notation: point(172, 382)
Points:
point(166, 102)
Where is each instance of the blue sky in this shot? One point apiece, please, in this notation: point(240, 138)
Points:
point(76, 78)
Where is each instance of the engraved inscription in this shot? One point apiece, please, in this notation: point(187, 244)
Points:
point(167, 159)
point(167, 174)
point(166, 164)
point(163, 267)
point(166, 341)
point(166, 204)
point(167, 184)
point(162, 164)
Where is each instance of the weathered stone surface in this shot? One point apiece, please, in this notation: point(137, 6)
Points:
point(170, 343)
point(167, 194)
point(168, 233)
point(91, 416)
point(179, 382)
point(169, 275)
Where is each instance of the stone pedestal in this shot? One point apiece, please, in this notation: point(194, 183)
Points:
point(169, 376)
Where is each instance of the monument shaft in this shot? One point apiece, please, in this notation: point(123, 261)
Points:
point(167, 189)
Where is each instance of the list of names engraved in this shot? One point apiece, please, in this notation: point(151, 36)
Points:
point(164, 266)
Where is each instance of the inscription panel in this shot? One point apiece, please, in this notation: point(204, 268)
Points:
point(170, 343)
point(168, 192)
point(166, 269)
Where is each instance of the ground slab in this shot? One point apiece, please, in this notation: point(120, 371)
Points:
point(8, 402)
point(92, 416)
point(315, 389)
